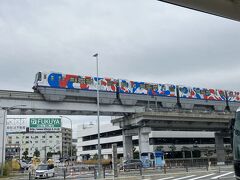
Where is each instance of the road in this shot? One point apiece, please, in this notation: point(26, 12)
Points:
point(225, 173)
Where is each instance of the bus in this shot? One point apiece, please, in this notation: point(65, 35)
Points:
point(235, 126)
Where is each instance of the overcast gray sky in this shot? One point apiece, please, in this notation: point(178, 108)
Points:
point(144, 40)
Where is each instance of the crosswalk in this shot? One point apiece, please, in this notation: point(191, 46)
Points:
point(210, 176)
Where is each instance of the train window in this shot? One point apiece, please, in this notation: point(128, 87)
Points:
point(172, 88)
point(76, 79)
point(230, 94)
point(198, 91)
point(52, 77)
point(81, 80)
point(39, 76)
point(155, 87)
point(181, 89)
point(88, 81)
point(45, 76)
point(207, 92)
point(147, 86)
point(142, 86)
point(72, 79)
point(203, 91)
point(163, 88)
point(64, 77)
point(215, 92)
point(110, 83)
point(221, 93)
point(124, 84)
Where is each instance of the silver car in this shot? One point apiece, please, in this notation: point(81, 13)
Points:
point(131, 164)
point(44, 171)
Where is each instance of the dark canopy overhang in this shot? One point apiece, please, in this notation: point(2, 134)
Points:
point(225, 8)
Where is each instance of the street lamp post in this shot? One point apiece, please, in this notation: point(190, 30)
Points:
point(4, 132)
point(71, 134)
point(98, 123)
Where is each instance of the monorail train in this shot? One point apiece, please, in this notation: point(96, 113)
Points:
point(137, 91)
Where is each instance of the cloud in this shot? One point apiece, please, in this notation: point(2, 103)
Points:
point(139, 40)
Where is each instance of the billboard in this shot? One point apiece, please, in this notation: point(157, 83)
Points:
point(45, 124)
point(16, 125)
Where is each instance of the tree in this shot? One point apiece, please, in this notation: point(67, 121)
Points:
point(173, 149)
point(36, 153)
point(228, 151)
point(95, 157)
point(135, 153)
point(159, 148)
point(74, 151)
point(49, 155)
point(25, 154)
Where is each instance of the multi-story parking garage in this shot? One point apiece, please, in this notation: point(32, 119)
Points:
point(87, 140)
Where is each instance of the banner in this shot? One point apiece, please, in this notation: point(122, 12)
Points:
point(16, 125)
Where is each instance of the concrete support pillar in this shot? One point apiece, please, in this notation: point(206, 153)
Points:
point(144, 139)
point(127, 145)
point(2, 141)
point(220, 148)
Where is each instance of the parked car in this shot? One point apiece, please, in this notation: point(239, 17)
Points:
point(45, 171)
point(64, 159)
point(24, 164)
point(131, 164)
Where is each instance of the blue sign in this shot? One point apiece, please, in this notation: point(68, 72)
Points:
point(145, 160)
point(159, 159)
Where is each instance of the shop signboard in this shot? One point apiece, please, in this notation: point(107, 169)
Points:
point(16, 125)
point(45, 124)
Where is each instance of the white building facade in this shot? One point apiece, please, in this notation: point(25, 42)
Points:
point(44, 142)
point(87, 140)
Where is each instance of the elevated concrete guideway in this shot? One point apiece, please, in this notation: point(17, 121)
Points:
point(174, 120)
point(136, 121)
point(225, 8)
point(37, 105)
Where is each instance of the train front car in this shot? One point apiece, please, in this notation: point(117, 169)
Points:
point(202, 98)
point(236, 144)
point(152, 95)
point(40, 80)
point(58, 86)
